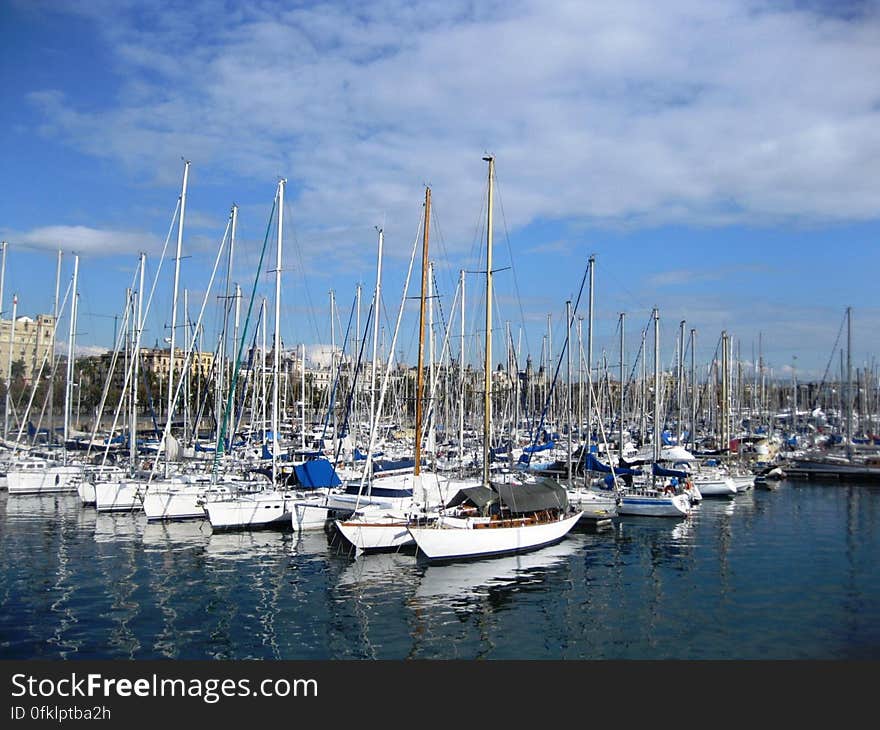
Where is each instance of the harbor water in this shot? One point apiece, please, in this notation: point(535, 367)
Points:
point(784, 574)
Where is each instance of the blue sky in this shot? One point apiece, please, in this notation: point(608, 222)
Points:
point(719, 159)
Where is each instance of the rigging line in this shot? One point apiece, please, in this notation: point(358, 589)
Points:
point(510, 253)
point(186, 367)
point(830, 358)
point(351, 391)
point(310, 307)
point(549, 397)
point(221, 434)
point(436, 233)
point(338, 376)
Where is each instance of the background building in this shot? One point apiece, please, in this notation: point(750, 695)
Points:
point(33, 339)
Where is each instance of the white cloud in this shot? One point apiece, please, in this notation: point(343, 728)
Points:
point(85, 240)
point(627, 113)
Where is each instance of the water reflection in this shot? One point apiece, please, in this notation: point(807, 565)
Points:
point(456, 584)
point(119, 527)
point(80, 584)
point(175, 535)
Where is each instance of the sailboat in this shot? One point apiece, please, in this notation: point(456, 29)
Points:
point(495, 518)
point(377, 527)
point(275, 505)
point(653, 499)
point(45, 477)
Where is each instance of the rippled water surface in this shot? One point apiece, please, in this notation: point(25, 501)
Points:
point(788, 574)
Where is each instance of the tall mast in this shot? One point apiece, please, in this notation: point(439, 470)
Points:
point(725, 392)
point(224, 338)
point(71, 346)
point(52, 343)
point(461, 378)
point(590, 359)
point(420, 377)
point(302, 375)
point(656, 436)
point(693, 390)
point(487, 360)
point(431, 355)
point(849, 399)
point(680, 379)
point(376, 307)
point(171, 353)
point(276, 345)
point(622, 360)
point(355, 371)
point(580, 408)
point(568, 407)
point(136, 354)
point(3, 246)
point(9, 366)
point(263, 340)
point(333, 362)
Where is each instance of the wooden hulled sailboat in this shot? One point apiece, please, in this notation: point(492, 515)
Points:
point(495, 518)
point(377, 527)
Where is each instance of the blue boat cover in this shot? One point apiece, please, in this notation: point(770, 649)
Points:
point(361, 456)
point(393, 465)
point(591, 463)
point(660, 471)
point(538, 447)
point(316, 473)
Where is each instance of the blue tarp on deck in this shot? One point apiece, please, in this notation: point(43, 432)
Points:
point(316, 473)
point(660, 471)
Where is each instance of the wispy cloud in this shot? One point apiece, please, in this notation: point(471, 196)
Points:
point(681, 277)
point(632, 113)
point(85, 240)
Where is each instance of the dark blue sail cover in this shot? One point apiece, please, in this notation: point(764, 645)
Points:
point(660, 471)
point(316, 473)
point(591, 463)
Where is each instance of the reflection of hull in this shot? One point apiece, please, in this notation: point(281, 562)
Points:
point(174, 535)
point(48, 480)
point(455, 581)
point(455, 538)
point(378, 571)
point(119, 496)
point(655, 505)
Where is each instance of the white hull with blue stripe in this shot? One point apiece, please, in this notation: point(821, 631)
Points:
point(650, 503)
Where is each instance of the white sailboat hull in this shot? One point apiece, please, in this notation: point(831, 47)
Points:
point(677, 505)
point(184, 502)
point(743, 483)
point(52, 480)
point(257, 510)
point(723, 487)
point(308, 516)
point(86, 491)
point(118, 496)
point(446, 542)
point(381, 533)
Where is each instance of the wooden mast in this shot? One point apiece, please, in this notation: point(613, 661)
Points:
point(420, 373)
point(487, 364)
